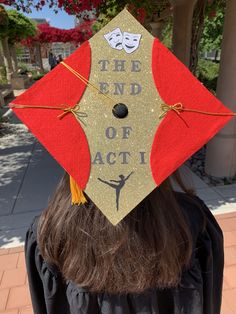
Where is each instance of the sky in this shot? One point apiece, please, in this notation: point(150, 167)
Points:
point(60, 20)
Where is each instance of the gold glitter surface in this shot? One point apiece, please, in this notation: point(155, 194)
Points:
point(144, 108)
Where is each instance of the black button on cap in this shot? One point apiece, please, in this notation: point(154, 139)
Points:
point(120, 111)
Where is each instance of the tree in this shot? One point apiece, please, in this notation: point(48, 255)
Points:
point(77, 8)
point(14, 27)
point(4, 22)
point(213, 27)
point(19, 27)
point(70, 6)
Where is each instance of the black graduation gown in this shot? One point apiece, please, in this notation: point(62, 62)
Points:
point(199, 291)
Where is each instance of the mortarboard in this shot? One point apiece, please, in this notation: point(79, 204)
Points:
point(120, 115)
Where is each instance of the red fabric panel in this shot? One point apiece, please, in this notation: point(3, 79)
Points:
point(174, 142)
point(64, 139)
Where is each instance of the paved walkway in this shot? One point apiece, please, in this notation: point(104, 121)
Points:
point(28, 176)
point(228, 224)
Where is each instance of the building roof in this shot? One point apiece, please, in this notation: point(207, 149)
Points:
point(40, 21)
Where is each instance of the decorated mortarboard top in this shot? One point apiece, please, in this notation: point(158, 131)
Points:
point(98, 114)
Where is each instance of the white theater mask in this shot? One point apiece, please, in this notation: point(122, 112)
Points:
point(131, 42)
point(115, 38)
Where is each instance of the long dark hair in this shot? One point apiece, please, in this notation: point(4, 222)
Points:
point(148, 248)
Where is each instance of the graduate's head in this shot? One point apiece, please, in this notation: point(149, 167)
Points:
point(148, 248)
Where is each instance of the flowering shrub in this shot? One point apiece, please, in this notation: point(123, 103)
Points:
point(77, 7)
point(49, 34)
point(70, 6)
point(140, 8)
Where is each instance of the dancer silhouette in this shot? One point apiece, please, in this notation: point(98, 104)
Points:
point(118, 186)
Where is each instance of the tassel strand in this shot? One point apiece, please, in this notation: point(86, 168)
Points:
point(77, 195)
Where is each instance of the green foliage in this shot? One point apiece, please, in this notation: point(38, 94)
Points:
point(109, 9)
point(167, 33)
point(207, 72)
point(23, 66)
point(19, 26)
point(15, 25)
point(3, 75)
point(112, 7)
point(213, 26)
point(36, 74)
point(3, 22)
point(19, 49)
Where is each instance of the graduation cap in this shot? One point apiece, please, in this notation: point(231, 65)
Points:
point(120, 115)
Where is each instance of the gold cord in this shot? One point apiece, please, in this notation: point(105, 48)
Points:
point(178, 108)
point(74, 110)
point(88, 83)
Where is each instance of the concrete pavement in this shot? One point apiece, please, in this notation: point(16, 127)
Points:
point(28, 176)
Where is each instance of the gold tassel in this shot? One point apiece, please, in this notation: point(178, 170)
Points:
point(77, 195)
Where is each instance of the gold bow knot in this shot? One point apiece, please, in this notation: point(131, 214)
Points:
point(178, 108)
point(76, 113)
point(79, 115)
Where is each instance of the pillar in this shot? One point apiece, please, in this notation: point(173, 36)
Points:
point(156, 26)
point(221, 150)
point(182, 28)
point(7, 58)
point(12, 49)
point(38, 56)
